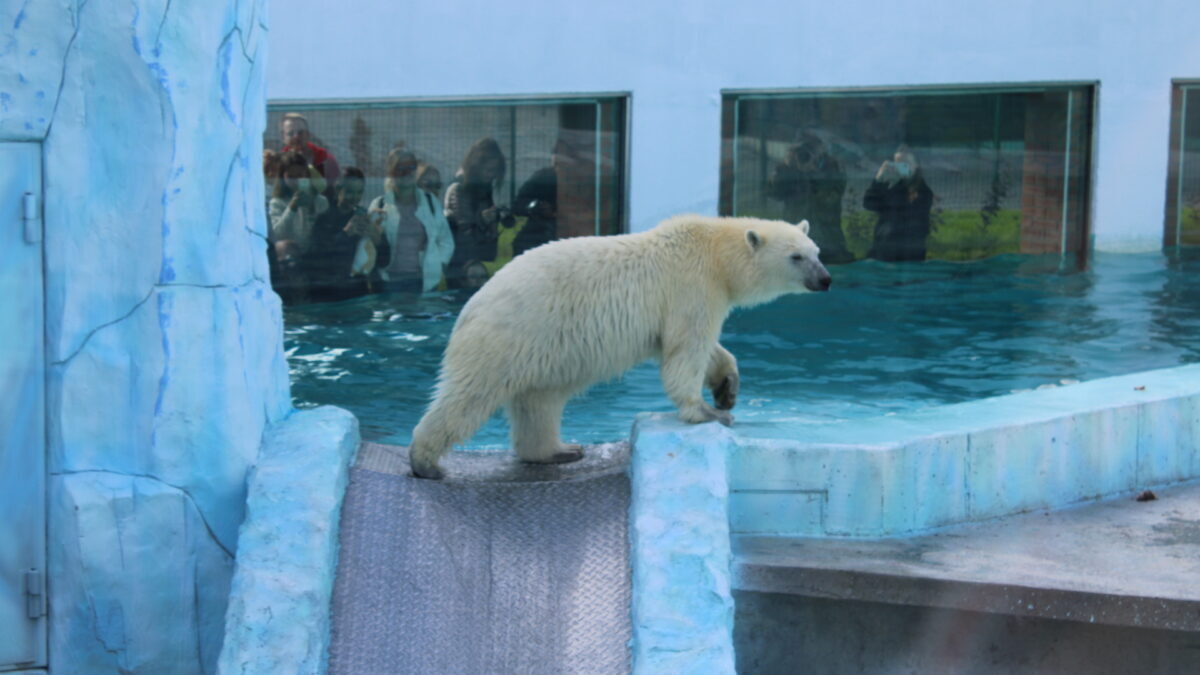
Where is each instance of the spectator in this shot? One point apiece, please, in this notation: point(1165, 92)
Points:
point(291, 213)
point(470, 206)
point(810, 183)
point(903, 201)
point(414, 227)
point(272, 161)
point(537, 200)
point(346, 245)
point(429, 179)
point(474, 274)
point(293, 129)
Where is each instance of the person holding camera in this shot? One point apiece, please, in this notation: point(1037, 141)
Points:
point(346, 245)
point(474, 217)
point(294, 206)
point(418, 237)
point(903, 201)
point(295, 137)
point(810, 183)
point(537, 201)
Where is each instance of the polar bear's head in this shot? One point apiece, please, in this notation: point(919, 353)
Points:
point(787, 261)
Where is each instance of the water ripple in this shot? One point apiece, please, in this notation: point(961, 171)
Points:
point(888, 338)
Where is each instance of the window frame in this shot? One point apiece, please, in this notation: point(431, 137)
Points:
point(1176, 146)
point(484, 100)
point(1087, 203)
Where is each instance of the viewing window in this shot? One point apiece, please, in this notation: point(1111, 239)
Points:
point(915, 174)
point(1183, 172)
point(418, 196)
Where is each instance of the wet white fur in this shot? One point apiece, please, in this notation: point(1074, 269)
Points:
point(578, 311)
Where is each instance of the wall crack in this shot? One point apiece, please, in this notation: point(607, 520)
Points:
point(200, 512)
point(75, 352)
point(101, 327)
point(62, 79)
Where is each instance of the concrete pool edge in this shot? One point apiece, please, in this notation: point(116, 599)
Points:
point(966, 462)
point(682, 604)
point(888, 477)
point(279, 601)
point(889, 473)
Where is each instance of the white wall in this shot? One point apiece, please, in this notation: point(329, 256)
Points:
point(675, 58)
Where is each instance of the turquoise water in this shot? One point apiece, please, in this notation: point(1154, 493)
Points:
point(887, 338)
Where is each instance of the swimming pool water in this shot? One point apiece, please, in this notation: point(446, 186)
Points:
point(888, 337)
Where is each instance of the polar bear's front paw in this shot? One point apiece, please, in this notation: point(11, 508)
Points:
point(726, 391)
point(703, 412)
point(567, 453)
point(562, 453)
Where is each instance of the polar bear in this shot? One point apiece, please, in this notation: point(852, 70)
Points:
point(574, 312)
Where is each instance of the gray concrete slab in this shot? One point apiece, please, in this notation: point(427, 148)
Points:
point(478, 466)
point(1119, 562)
point(776, 634)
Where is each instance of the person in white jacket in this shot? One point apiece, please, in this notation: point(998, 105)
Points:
point(416, 229)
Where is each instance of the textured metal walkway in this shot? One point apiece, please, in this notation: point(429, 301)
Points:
point(501, 568)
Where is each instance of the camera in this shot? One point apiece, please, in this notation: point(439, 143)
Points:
point(504, 216)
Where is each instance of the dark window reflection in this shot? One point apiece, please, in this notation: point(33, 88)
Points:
point(1183, 171)
point(415, 198)
point(912, 175)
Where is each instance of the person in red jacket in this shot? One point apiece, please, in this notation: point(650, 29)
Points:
point(293, 129)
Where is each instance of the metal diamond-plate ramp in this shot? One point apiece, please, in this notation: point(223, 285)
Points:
point(500, 568)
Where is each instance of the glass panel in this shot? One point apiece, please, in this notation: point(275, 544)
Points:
point(915, 174)
point(418, 197)
point(1183, 184)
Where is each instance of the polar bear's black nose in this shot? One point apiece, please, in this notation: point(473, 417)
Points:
point(819, 282)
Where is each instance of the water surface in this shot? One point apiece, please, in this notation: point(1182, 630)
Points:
point(888, 337)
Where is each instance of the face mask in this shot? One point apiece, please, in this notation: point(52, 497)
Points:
point(903, 169)
point(304, 184)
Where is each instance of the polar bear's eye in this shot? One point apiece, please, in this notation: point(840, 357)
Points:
point(797, 257)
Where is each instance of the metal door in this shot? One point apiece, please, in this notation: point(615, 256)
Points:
point(22, 410)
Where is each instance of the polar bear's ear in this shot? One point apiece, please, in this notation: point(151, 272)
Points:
point(753, 239)
point(803, 225)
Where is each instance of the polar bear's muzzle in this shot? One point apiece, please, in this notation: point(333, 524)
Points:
point(816, 277)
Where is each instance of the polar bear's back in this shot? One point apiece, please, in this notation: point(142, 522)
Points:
point(567, 313)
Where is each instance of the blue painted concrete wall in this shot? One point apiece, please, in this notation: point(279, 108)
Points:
point(279, 605)
point(680, 551)
point(972, 461)
point(164, 339)
point(885, 476)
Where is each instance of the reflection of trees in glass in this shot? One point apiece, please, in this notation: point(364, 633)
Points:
point(858, 224)
point(1186, 167)
point(1190, 223)
point(996, 193)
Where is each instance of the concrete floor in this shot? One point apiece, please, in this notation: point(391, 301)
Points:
point(1106, 587)
point(788, 634)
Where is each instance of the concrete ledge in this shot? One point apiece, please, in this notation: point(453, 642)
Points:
point(489, 466)
point(679, 541)
point(1119, 562)
point(973, 461)
point(278, 615)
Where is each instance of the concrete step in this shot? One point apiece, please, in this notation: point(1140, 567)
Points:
point(1120, 562)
